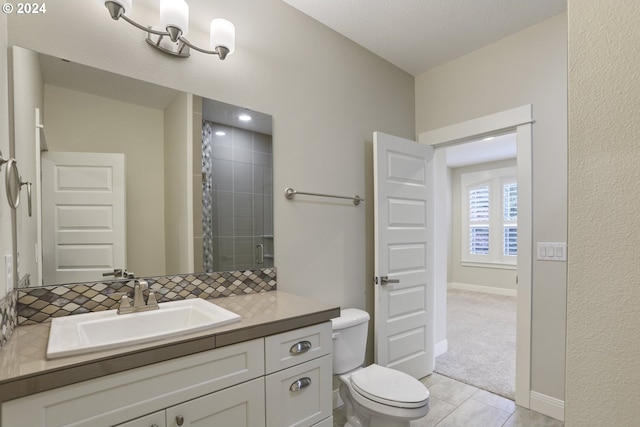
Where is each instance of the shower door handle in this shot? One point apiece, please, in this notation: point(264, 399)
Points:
point(260, 256)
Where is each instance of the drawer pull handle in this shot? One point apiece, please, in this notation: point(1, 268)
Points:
point(179, 420)
point(300, 384)
point(300, 347)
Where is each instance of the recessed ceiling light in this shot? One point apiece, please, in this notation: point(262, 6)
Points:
point(220, 133)
point(244, 117)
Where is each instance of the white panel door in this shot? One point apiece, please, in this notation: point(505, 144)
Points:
point(403, 249)
point(83, 216)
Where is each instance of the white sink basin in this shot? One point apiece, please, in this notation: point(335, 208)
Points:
point(85, 333)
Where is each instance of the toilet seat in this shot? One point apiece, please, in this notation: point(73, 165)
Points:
point(389, 387)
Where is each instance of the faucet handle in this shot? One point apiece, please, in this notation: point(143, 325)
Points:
point(151, 300)
point(125, 304)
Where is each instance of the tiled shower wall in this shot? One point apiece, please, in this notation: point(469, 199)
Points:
point(237, 198)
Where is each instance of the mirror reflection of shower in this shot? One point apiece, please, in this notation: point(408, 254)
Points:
point(237, 189)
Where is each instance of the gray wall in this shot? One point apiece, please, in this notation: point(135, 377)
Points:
point(6, 246)
point(326, 94)
point(526, 68)
point(603, 293)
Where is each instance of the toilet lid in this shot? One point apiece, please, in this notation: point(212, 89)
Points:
point(389, 387)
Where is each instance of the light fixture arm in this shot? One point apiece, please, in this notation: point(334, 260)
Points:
point(169, 40)
point(142, 27)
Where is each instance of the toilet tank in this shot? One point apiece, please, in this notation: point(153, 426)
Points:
point(349, 339)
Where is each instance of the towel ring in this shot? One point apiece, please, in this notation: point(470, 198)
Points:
point(13, 183)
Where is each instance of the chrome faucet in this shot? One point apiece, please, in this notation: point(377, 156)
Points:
point(139, 304)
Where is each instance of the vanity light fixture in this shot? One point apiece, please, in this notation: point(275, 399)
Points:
point(169, 36)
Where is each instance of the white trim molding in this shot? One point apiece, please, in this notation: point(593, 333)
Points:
point(519, 119)
point(484, 289)
point(441, 348)
point(475, 128)
point(547, 405)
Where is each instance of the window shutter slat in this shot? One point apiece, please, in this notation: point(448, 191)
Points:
point(479, 204)
point(510, 244)
point(479, 240)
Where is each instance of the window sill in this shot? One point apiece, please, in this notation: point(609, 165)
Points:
point(500, 265)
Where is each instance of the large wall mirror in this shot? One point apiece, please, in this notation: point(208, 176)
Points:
point(135, 176)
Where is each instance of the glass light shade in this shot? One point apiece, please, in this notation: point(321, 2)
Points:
point(125, 4)
point(174, 13)
point(223, 33)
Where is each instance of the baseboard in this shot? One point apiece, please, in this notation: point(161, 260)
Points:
point(484, 289)
point(547, 405)
point(441, 348)
point(337, 400)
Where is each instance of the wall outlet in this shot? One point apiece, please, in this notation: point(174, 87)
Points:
point(552, 251)
point(8, 272)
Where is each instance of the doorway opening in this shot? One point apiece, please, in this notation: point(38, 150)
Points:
point(481, 265)
point(518, 120)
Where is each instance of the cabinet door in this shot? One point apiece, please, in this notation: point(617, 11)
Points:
point(238, 406)
point(301, 395)
point(157, 419)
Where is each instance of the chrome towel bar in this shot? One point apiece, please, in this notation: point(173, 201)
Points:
point(289, 193)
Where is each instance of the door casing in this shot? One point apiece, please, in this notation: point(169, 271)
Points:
point(520, 120)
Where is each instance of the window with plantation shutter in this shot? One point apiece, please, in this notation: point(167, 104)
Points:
point(510, 218)
point(490, 217)
point(479, 220)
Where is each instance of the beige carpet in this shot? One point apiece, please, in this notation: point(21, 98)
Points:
point(481, 336)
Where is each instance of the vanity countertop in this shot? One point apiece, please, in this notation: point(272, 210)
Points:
point(24, 370)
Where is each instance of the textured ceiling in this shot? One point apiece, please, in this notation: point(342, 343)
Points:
point(418, 35)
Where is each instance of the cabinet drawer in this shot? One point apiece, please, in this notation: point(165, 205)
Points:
point(300, 396)
point(157, 419)
point(124, 396)
point(291, 348)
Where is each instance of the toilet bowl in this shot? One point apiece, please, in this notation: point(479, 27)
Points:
point(374, 396)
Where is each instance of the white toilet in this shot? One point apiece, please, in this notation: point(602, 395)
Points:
point(374, 396)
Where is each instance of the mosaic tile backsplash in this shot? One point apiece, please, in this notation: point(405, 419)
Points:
point(35, 305)
point(7, 316)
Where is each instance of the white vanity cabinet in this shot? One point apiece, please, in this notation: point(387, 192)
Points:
point(299, 374)
point(281, 380)
point(241, 405)
point(129, 395)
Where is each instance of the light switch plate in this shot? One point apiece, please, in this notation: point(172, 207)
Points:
point(552, 251)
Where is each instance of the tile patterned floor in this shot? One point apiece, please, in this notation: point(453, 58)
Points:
point(456, 404)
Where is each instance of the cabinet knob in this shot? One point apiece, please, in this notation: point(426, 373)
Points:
point(179, 420)
point(300, 384)
point(300, 347)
